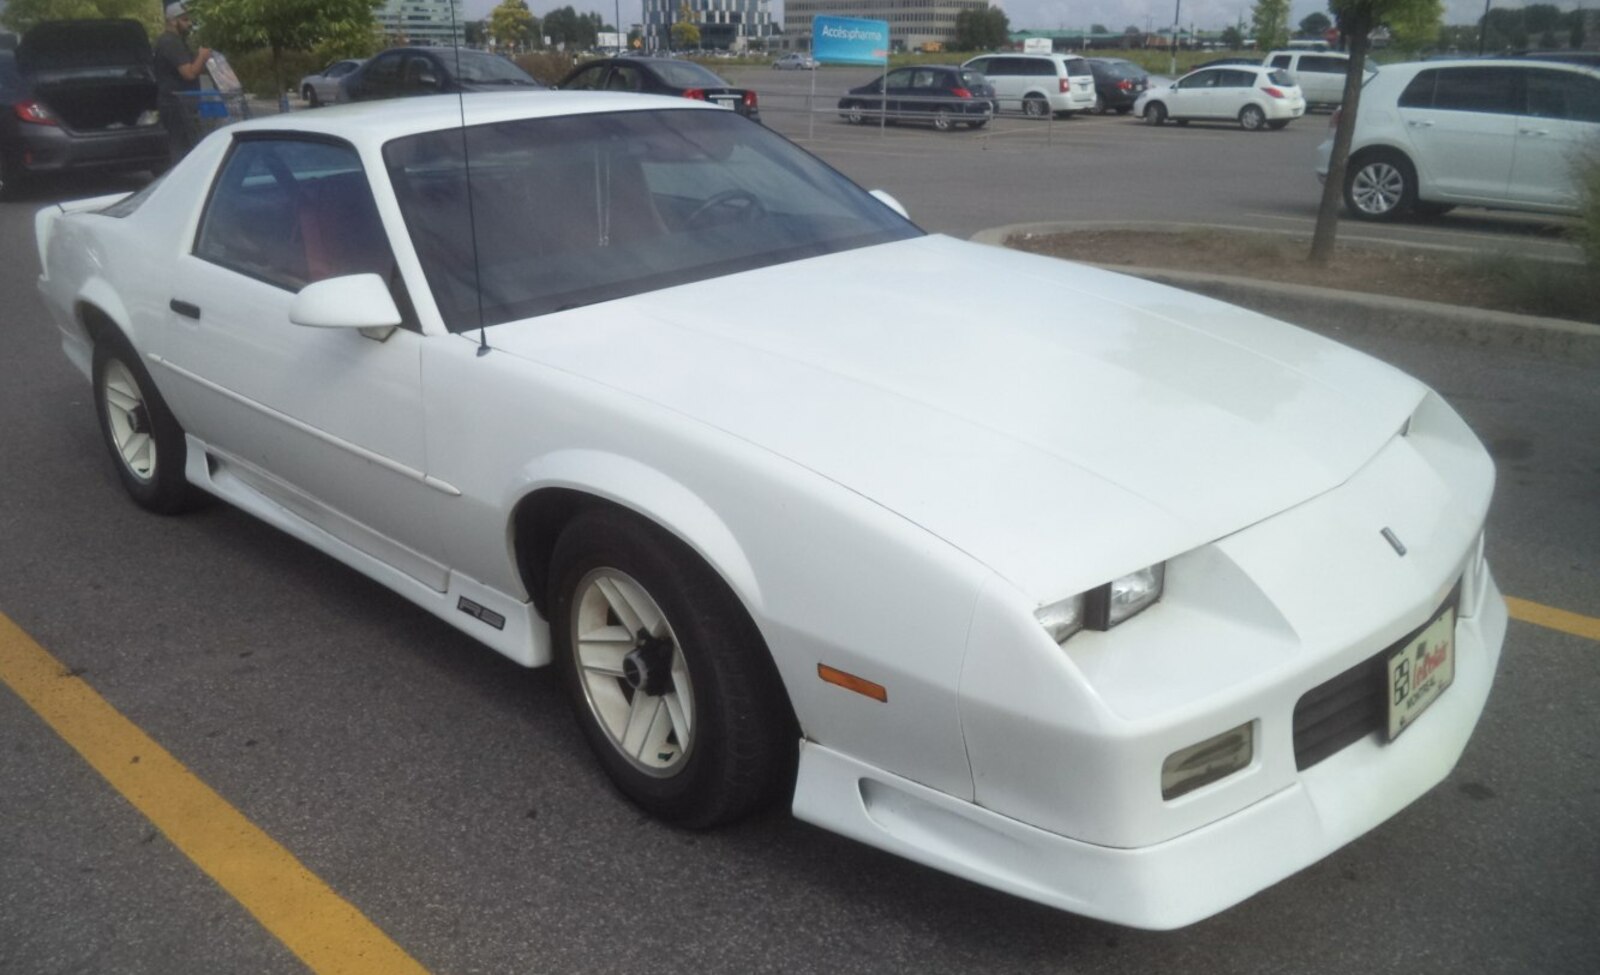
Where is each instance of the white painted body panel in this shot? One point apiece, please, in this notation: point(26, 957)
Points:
point(891, 480)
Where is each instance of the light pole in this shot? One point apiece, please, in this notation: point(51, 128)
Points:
point(1177, 8)
point(1483, 26)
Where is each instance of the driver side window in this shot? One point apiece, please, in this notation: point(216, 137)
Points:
point(289, 212)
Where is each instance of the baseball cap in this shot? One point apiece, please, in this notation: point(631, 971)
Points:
point(176, 10)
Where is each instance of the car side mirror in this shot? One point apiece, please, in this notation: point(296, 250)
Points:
point(428, 81)
point(883, 197)
point(360, 301)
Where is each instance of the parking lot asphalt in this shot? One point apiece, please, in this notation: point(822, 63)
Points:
point(446, 795)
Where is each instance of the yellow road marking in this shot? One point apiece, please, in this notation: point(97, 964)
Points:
point(319, 926)
point(1556, 619)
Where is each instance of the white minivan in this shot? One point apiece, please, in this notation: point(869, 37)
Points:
point(1038, 84)
point(1318, 74)
point(1496, 133)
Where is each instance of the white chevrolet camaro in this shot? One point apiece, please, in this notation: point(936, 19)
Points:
point(1094, 591)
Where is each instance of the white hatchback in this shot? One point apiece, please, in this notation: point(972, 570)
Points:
point(1494, 133)
point(1257, 97)
point(1038, 84)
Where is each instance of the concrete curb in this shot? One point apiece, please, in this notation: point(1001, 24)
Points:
point(1333, 309)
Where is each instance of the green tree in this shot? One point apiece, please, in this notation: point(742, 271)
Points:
point(1414, 25)
point(513, 24)
point(238, 26)
point(1270, 19)
point(1575, 36)
point(19, 15)
point(1316, 23)
point(984, 29)
point(1541, 18)
point(1099, 29)
point(1357, 19)
point(685, 33)
point(1232, 38)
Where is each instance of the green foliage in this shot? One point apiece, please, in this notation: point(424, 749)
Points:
point(685, 35)
point(19, 15)
point(237, 26)
point(513, 25)
point(984, 29)
point(575, 31)
point(1413, 24)
point(1232, 38)
point(1315, 23)
point(548, 67)
point(1271, 21)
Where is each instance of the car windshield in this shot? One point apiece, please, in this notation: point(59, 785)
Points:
point(482, 69)
point(687, 74)
point(573, 210)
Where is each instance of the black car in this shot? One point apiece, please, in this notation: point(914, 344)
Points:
point(403, 71)
point(79, 95)
point(1117, 84)
point(660, 76)
point(942, 95)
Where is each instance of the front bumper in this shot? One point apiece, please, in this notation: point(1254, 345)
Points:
point(1189, 877)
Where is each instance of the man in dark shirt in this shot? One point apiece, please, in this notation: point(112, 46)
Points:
point(178, 69)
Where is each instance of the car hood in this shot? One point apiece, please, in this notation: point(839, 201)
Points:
point(1060, 424)
point(69, 45)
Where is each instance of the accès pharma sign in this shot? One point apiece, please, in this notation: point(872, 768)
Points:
point(849, 40)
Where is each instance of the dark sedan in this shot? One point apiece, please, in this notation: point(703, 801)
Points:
point(1117, 84)
point(660, 76)
point(78, 95)
point(403, 71)
point(943, 96)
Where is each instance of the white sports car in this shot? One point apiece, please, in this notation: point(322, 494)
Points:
point(1094, 591)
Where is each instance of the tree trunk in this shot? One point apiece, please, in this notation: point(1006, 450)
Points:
point(1358, 37)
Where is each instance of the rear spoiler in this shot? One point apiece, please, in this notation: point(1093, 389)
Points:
point(44, 221)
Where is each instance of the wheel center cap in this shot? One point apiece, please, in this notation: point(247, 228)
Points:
point(648, 666)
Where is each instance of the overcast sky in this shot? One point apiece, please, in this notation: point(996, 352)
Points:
point(1053, 14)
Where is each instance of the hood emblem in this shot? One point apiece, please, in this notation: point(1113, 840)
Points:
point(1394, 540)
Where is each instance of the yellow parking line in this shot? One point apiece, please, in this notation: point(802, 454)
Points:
point(1587, 627)
point(319, 926)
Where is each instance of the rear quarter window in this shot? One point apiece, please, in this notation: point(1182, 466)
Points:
point(1324, 65)
point(1280, 77)
point(1487, 90)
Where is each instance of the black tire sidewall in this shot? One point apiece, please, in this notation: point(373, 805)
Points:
point(727, 662)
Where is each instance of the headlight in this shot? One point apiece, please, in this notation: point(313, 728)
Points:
point(1105, 606)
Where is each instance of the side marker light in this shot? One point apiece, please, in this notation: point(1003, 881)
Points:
point(851, 682)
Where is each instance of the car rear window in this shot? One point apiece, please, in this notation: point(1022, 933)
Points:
point(1278, 76)
point(687, 74)
point(973, 79)
point(1078, 67)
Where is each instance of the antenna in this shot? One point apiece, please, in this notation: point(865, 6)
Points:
point(456, 38)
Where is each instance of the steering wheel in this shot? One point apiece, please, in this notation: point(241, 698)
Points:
point(742, 205)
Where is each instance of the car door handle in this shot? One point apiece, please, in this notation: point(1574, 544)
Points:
point(185, 309)
point(1420, 125)
point(1533, 131)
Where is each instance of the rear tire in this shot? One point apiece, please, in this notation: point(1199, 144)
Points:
point(1155, 113)
point(668, 676)
point(310, 95)
point(147, 445)
point(1252, 118)
point(1035, 106)
point(1380, 186)
point(942, 120)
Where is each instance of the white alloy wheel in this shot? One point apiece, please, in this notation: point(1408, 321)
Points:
point(633, 673)
point(1034, 106)
point(128, 421)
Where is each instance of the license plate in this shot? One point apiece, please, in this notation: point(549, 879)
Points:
point(1420, 670)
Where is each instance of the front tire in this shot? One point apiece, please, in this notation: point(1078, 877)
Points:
point(942, 119)
point(669, 678)
point(1380, 186)
point(853, 114)
point(147, 445)
point(1155, 113)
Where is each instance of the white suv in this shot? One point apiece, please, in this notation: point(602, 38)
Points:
point(1038, 84)
point(1494, 133)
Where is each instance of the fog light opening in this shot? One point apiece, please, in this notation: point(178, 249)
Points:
point(1208, 761)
